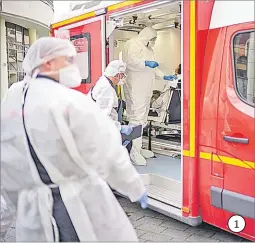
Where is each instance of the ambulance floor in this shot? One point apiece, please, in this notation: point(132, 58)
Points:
point(162, 165)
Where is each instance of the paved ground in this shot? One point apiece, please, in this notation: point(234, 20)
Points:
point(155, 227)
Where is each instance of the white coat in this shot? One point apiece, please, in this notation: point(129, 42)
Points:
point(138, 87)
point(106, 98)
point(81, 150)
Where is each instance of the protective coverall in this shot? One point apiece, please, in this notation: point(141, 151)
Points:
point(63, 194)
point(104, 94)
point(139, 86)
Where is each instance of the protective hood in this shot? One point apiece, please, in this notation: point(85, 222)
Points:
point(46, 49)
point(146, 35)
point(115, 67)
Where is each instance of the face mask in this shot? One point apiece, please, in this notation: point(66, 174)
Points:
point(121, 81)
point(70, 76)
point(151, 44)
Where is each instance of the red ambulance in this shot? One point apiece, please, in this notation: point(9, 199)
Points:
point(203, 135)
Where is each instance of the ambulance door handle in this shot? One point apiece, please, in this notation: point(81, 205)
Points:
point(236, 140)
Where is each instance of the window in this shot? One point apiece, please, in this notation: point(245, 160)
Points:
point(83, 48)
point(88, 5)
point(244, 66)
point(19, 34)
point(78, 6)
point(17, 39)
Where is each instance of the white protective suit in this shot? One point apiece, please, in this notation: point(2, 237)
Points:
point(105, 96)
point(80, 149)
point(104, 93)
point(139, 85)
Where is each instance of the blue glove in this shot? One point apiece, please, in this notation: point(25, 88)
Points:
point(125, 129)
point(151, 64)
point(144, 201)
point(170, 77)
point(125, 144)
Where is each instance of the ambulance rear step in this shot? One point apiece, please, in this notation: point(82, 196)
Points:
point(165, 197)
point(163, 189)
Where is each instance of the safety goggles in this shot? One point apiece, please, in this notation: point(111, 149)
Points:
point(123, 75)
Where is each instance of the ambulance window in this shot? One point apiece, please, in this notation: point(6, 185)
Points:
point(82, 44)
point(244, 66)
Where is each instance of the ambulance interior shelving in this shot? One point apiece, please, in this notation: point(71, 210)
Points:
point(163, 174)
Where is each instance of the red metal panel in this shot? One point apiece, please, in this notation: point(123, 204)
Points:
point(191, 165)
point(249, 230)
point(209, 214)
point(236, 119)
point(210, 174)
point(209, 62)
point(94, 29)
point(210, 89)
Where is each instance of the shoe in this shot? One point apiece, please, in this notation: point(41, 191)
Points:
point(137, 159)
point(147, 154)
point(135, 153)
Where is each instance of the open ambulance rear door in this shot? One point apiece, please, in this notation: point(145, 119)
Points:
point(88, 37)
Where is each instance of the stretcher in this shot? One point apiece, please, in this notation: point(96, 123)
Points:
point(166, 108)
point(165, 113)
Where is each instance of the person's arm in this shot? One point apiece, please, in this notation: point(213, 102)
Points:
point(159, 73)
point(130, 56)
point(105, 100)
point(10, 91)
point(172, 78)
point(99, 143)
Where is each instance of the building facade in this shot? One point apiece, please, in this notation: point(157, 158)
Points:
point(21, 23)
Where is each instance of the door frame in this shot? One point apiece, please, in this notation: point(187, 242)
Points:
point(148, 6)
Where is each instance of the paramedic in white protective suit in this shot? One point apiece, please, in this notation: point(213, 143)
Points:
point(104, 93)
point(141, 71)
point(59, 151)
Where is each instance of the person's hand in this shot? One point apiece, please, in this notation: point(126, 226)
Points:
point(125, 129)
point(126, 142)
point(170, 77)
point(144, 201)
point(151, 64)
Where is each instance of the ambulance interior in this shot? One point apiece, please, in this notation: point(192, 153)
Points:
point(163, 174)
